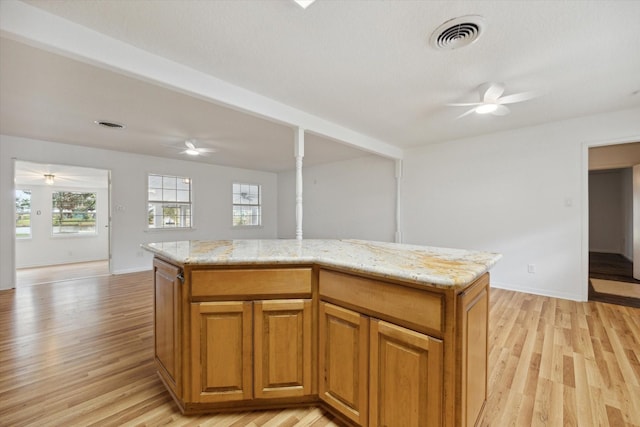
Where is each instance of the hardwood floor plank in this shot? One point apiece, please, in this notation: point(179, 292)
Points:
point(583, 401)
point(614, 416)
point(569, 409)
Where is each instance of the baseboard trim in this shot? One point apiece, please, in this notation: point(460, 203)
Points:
point(536, 291)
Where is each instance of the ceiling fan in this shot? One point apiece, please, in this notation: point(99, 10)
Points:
point(192, 150)
point(492, 101)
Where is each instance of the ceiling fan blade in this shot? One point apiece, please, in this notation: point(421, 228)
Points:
point(464, 104)
point(501, 111)
point(517, 97)
point(492, 92)
point(466, 113)
point(206, 150)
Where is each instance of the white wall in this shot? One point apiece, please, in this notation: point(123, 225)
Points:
point(610, 211)
point(211, 198)
point(43, 248)
point(519, 192)
point(348, 199)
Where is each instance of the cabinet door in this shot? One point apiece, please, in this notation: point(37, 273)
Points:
point(343, 361)
point(167, 314)
point(282, 345)
point(473, 321)
point(221, 351)
point(405, 377)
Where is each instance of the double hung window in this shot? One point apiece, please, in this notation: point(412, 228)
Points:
point(23, 214)
point(73, 212)
point(169, 201)
point(247, 205)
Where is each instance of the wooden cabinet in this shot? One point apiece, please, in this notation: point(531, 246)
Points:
point(221, 351)
point(282, 348)
point(167, 320)
point(405, 377)
point(379, 374)
point(473, 324)
point(243, 350)
point(375, 351)
point(343, 361)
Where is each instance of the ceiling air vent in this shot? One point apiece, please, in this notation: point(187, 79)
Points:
point(111, 125)
point(457, 32)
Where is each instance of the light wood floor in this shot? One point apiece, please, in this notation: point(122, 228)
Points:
point(57, 273)
point(79, 353)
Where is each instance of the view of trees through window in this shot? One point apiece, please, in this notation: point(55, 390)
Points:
point(169, 201)
point(73, 212)
point(23, 214)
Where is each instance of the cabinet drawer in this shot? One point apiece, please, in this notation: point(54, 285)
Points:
point(251, 282)
point(403, 305)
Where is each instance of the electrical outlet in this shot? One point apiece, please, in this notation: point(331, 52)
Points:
point(531, 268)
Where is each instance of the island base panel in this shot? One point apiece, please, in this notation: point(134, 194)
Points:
point(371, 351)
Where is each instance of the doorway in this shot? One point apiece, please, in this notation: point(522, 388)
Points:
point(62, 222)
point(613, 224)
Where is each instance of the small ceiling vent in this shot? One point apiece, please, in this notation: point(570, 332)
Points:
point(457, 32)
point(111, 125)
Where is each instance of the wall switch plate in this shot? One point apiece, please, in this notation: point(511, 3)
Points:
point(531, 268)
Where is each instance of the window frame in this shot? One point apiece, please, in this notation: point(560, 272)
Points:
point(60, 234)
point(257, 204)
point(182, 219)
point(30, 193)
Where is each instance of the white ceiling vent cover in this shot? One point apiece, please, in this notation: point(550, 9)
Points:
point(457, 32)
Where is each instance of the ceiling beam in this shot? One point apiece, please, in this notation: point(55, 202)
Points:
point(36, 27)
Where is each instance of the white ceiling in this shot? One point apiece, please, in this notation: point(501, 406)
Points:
point(365, 66)
point(28, 174)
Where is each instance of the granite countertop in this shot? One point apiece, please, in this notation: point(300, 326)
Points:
point(418, 264)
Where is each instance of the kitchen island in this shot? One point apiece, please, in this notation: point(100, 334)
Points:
point(380, 334)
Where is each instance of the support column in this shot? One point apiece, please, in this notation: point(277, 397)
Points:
point(398, 198)
point(299, 154)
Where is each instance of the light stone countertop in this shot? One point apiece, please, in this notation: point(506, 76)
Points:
point(418, 264)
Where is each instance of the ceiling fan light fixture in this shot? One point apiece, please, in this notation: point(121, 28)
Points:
point(304, 3)
point(486, 108)
point(191, 152)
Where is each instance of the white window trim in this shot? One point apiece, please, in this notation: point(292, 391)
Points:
point(73, 235)
point(191, 226)
point(259, 205)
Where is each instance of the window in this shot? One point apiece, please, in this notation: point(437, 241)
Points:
point(23, 214)
point(73, 212)
point(247, 209)
point(169, 202)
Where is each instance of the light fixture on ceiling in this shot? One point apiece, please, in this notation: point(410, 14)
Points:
point(457, 32)
point(192, 150)
point(486, 108)
point(492, 101)
point(49, 178)
point(304, 3)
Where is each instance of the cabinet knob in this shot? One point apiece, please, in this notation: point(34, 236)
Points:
point(180, 277)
